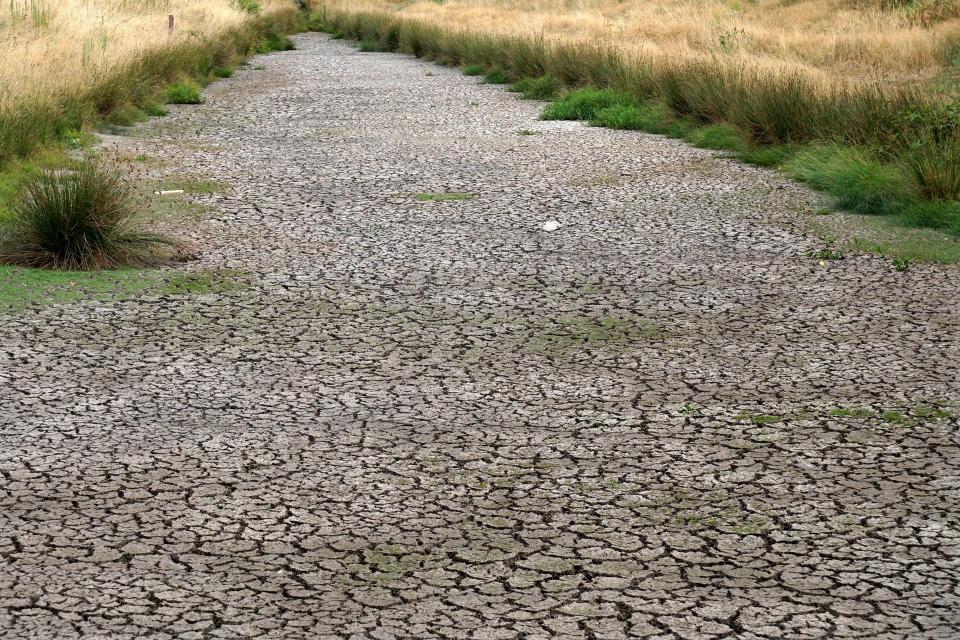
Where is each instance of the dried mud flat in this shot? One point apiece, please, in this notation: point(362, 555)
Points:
point(395, 417)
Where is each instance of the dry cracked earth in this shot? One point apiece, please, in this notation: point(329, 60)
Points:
point(397, 416)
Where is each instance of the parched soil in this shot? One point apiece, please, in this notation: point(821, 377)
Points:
point(369, 412)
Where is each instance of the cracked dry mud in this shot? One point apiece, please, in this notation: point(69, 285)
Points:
point(431, 419)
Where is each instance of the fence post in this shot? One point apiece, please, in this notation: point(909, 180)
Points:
point(170, 24)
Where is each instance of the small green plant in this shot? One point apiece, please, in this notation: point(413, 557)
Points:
point(222, 72)
point(473, 70)
point(529, 132)
point(542, 88)
point(443, 197)
point(184, 92)
point(730, 39)
point(77, 220)
point(901, 264)
point(688, 409)
point(497, 76)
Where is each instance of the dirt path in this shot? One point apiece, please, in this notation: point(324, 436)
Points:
point(369, 415)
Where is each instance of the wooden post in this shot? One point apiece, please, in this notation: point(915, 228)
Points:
point(170, 24)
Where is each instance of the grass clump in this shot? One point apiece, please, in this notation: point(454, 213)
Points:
point(721, 137)
point(77, 220)
point(473, 70)
point(542, 88)
point(649, 116)
point(586, 104)
point(275, 41)
point(444, 197)
point(184, 92)
point(934, 166)
point(497, 76)
point(858, 182)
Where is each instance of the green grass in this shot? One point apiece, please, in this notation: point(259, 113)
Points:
point(542, 88)
point(184, 92)
point(652, 117)
point(719, 137)
point(222, 72)
point(274, 41)
point(858, 182)
point(191, 185)
point(203, 282)
point(473, 70)
point(444, 197)
point(586, 104)
point(21, 287)
point(497, 76)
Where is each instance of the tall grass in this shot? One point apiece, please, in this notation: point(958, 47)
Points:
point(766, 115)
point(899, 41)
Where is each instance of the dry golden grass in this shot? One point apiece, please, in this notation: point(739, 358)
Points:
point(893, 41)
point(49, 46)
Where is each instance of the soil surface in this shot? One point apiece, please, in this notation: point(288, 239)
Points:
point(384, 403)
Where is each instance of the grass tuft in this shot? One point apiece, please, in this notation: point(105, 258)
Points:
point(650, 116)
point(858, 182)
point(542, 88)
point(184, 92)
point(497, 76)
point(586, 104)
point(77, 220)
point(473, 70)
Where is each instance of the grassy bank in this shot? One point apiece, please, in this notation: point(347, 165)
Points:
point(878, 149)
point(129, 81)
